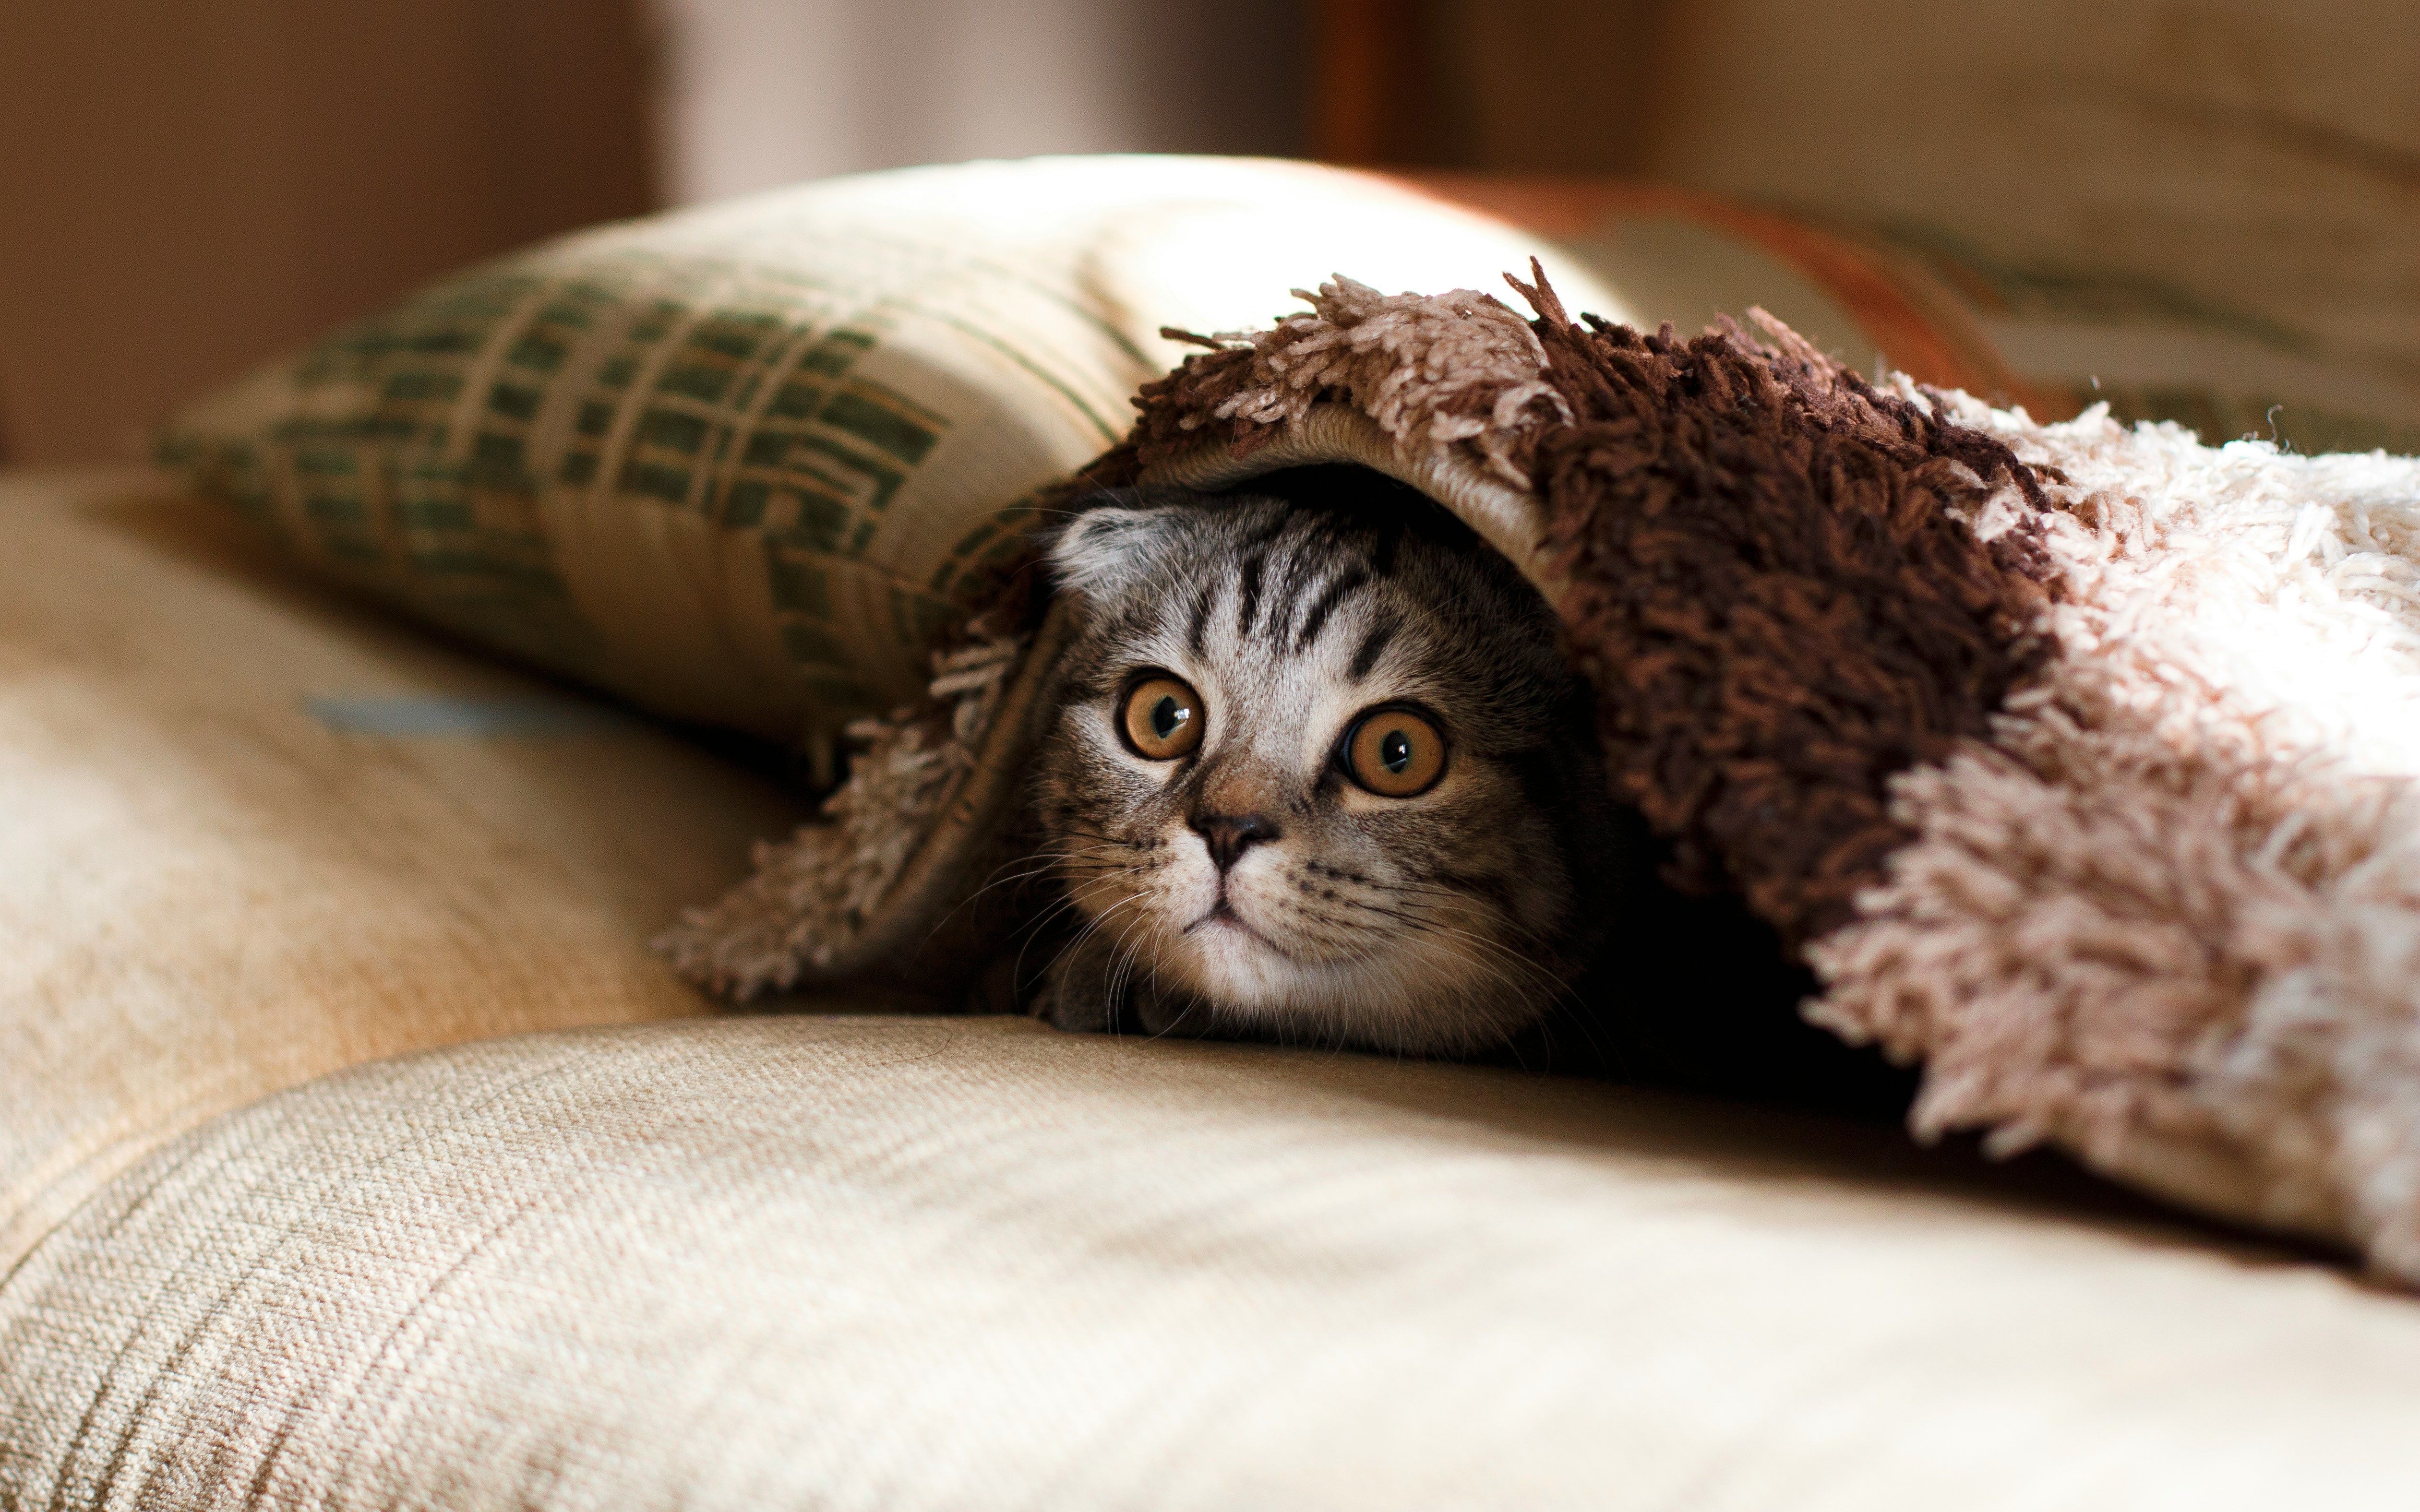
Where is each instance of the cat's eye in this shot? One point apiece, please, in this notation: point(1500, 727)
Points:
point(1162, 719)
point(1395, 753)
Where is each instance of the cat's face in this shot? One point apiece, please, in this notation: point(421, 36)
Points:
point(1314, 776)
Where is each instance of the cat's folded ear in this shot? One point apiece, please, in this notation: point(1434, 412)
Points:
point(1110, 546)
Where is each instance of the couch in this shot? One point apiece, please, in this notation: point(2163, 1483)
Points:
point(354, 1153)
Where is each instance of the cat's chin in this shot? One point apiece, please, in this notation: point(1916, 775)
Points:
point(1222, 957)
point(1252, 983)
point(1223, 929)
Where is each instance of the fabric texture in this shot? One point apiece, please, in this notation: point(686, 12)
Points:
point(854, 1263)
point(2167, 914)
point(250, 833)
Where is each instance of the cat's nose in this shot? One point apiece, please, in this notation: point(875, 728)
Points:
point(1229, 838)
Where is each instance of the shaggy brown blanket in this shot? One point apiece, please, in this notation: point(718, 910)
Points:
point(1768, 579)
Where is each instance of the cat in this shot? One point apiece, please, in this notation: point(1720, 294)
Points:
point(1316, 772)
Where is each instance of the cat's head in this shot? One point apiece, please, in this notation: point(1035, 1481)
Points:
point(1319, 773)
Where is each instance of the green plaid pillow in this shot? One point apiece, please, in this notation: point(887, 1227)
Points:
point(744, 464)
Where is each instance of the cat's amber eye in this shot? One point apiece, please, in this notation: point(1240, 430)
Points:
point(1162, 719)
point(1395, 753)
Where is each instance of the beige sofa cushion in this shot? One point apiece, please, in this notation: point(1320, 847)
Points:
point(911, 1264)
point(255, 834)
point(250, 832)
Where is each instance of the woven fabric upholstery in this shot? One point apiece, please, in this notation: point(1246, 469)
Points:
point(250, 833)
point(925, 1264)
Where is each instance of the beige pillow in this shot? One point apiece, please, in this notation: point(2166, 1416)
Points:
point(743, 463)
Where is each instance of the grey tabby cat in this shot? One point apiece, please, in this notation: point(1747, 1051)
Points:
point(1317, 773)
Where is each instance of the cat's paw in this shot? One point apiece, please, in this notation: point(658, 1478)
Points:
point(1075, 996)
point(1074, 999)
point(1177, 1016)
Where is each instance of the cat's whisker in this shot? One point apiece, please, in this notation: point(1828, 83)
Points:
point(1427, 923)
point(1480, 963)
point(1094, 922)
point(1033, 932)
point(1489, 958)
point(1032, 868)
point(1123, 957)
point(1522, 976)
point(1112, 840)
point(1455, 894)
point(1110, 975)
point(1077, 868)
point(1536, 973)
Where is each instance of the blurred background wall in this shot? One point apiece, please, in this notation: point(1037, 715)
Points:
point(187, 186)
point(763, 92)
point(2232, 160)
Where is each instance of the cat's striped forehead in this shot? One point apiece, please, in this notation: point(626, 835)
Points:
point(1258, 587)
point(1272, 586)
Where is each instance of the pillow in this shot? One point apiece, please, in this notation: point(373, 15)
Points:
point(743, 464)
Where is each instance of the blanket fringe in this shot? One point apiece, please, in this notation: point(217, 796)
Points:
point(812, 895)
